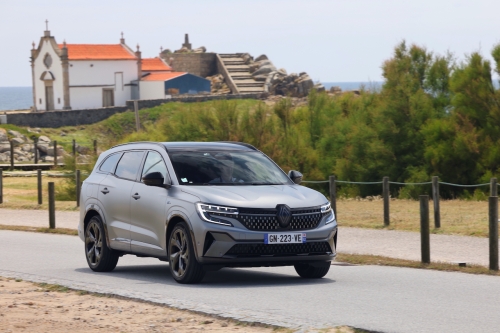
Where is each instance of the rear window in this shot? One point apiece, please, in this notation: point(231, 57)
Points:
point(109, 163)
point(129, 165)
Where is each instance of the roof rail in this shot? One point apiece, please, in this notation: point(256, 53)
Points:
point(240, 143)
point(137, 142)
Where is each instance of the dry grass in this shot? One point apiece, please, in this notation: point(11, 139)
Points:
point(458, 217)
point(62, 231)
point(362, 259)
point(21, 193)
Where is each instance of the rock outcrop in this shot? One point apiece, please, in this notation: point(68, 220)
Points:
point(24, 148)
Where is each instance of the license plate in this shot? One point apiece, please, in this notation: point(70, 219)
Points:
point(288, 238)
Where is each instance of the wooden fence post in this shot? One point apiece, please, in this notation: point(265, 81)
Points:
point(435, 198)
point(11, 155)
point(52, 206)
point(385, 190)
point(74, 148)
point(36, 150)
point(78, 188)
point(39, 187)
point(333, 195)
point(424, 230)
point(95, 147)
point(493, 234)
point(1, 185)
point(55, 153)
point(493, 187)
point(136, 111)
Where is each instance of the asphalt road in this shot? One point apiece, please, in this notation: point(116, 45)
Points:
point(386, 299)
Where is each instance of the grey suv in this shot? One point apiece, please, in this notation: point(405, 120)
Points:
point(203, 206)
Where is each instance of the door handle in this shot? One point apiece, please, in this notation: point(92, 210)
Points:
point(136, 196)
point(105, 190)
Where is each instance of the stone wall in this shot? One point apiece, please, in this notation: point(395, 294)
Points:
point(201, 64)
point(145, 104)
point(83, 117)
point(63, 118)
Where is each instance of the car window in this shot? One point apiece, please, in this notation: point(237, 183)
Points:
point(154, 163)
point(109, 164)
point(129, 165)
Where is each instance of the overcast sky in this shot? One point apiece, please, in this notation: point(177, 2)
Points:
point(332, 40)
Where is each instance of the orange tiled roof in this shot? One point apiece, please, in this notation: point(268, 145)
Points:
point(162, 76)
point(154, 64)
point(98, 52)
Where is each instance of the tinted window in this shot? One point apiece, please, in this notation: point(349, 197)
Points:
point(129, 165)
point(154, 163)
point(226, 168)
point(109, 164)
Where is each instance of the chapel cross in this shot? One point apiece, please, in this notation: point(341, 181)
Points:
point(46, 24)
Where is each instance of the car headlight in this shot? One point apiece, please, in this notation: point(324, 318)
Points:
point(327, 211)
point(215, 214)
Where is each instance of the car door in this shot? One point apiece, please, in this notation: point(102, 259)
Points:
point(115, 195)
point(148, 210)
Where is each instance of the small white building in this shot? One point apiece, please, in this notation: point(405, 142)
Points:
point(87, 76)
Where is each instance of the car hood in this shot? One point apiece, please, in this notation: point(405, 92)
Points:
point(260, 196)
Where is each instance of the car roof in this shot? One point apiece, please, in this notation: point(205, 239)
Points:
point(193, 146)
point(222, 145)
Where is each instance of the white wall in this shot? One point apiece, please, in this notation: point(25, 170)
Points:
point(87, 78)
point(56, 69)
point(152, 89)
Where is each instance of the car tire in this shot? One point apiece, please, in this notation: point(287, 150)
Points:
point(100, 257)
point(308, 271)
point(182, 259)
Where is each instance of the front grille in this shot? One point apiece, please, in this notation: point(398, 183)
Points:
point(266, 220)
point(257, 250)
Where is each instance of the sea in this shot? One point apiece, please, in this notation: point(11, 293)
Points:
point(21, 98)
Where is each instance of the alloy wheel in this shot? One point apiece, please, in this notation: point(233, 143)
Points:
point(179, 252)
point(93, 243)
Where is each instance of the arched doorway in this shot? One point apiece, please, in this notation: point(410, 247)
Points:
point(48, 79)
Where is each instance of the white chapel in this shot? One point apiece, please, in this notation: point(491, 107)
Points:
point(87, 76)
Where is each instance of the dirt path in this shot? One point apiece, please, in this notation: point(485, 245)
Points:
point(28, 307)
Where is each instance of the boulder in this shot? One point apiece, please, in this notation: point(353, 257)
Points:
point(335, 90)
point(319, 87)
point(60, 151)
point(43, 139)
point(15, 134)
point(43, 147)
point(261, 57)
point(82, 150)
point(264, 70)
point(260, 77)
point(4, 157)
point(4, 146)
point(247, 58)
point(17, 141)
point(3, 135)
point(28, 148)
point(304, 85)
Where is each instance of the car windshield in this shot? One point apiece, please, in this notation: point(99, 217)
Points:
point(226, 168)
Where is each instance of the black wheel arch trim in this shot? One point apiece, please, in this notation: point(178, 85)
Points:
point(94, 209)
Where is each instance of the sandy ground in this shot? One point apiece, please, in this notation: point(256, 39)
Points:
point(28, 307)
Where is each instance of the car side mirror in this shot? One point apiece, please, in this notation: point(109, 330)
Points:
point(155, 179)
point(295, 176)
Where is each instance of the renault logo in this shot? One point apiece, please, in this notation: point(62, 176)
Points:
point(284, 215)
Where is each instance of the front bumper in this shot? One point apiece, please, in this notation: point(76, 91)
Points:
point(239, 247)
